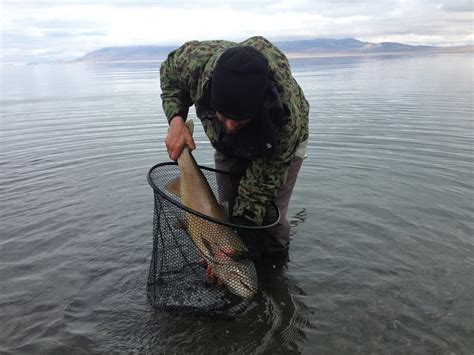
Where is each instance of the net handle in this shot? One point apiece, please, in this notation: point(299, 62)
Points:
point(199, 214)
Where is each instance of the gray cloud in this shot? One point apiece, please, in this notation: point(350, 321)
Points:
point(458, 5)
point(66, 29)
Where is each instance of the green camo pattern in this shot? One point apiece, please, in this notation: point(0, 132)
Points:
point(184, 76)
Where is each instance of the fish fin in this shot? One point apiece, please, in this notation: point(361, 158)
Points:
point(208, 246)
point(190, 124)
point(238, 255)
point(181, 224)
point(174, 187)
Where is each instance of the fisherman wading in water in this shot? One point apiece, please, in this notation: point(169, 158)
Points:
point(256, 117)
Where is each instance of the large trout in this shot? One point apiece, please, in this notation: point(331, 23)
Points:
point(219, 245)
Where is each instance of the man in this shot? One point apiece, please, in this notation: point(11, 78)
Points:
point(255, 115)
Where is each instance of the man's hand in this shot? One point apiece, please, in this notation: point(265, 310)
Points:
point(178, 137)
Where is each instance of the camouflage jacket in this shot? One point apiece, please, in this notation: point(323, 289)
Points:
point(184, 77)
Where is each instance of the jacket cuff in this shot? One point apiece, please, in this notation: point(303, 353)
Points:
point(182, 113)
point(251, 212)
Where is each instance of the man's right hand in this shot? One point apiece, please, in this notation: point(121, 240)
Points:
point(178, 137)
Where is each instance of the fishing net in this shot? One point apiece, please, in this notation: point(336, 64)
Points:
point(186, 244)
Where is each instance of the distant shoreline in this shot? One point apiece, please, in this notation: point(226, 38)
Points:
point(447, 50)
point(314, 48)
point(290, 55)
point(296, 55)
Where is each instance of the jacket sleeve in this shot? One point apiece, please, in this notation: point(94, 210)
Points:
point(176, 74)
point(183, 73)
point(265, 176)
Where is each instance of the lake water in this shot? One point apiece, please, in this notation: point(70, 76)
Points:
point(382, 253)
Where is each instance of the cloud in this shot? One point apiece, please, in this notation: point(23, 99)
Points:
point(66, 29)
point(458, 6)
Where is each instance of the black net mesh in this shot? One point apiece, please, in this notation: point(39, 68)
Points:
point(187, 244)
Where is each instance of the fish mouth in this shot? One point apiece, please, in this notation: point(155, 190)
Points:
point(242, 289)
point(250, 288)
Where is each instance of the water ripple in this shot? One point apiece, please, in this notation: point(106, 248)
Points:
point(381, 253)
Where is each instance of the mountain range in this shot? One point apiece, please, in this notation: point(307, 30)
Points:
point(295, 48)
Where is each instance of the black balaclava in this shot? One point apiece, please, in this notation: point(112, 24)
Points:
point(239, 83)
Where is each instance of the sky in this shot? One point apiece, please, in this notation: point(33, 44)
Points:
point(50, 30)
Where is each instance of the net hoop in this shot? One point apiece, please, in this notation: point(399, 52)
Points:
point(167, 197)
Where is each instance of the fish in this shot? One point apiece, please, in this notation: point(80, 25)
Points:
point(220, 246)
